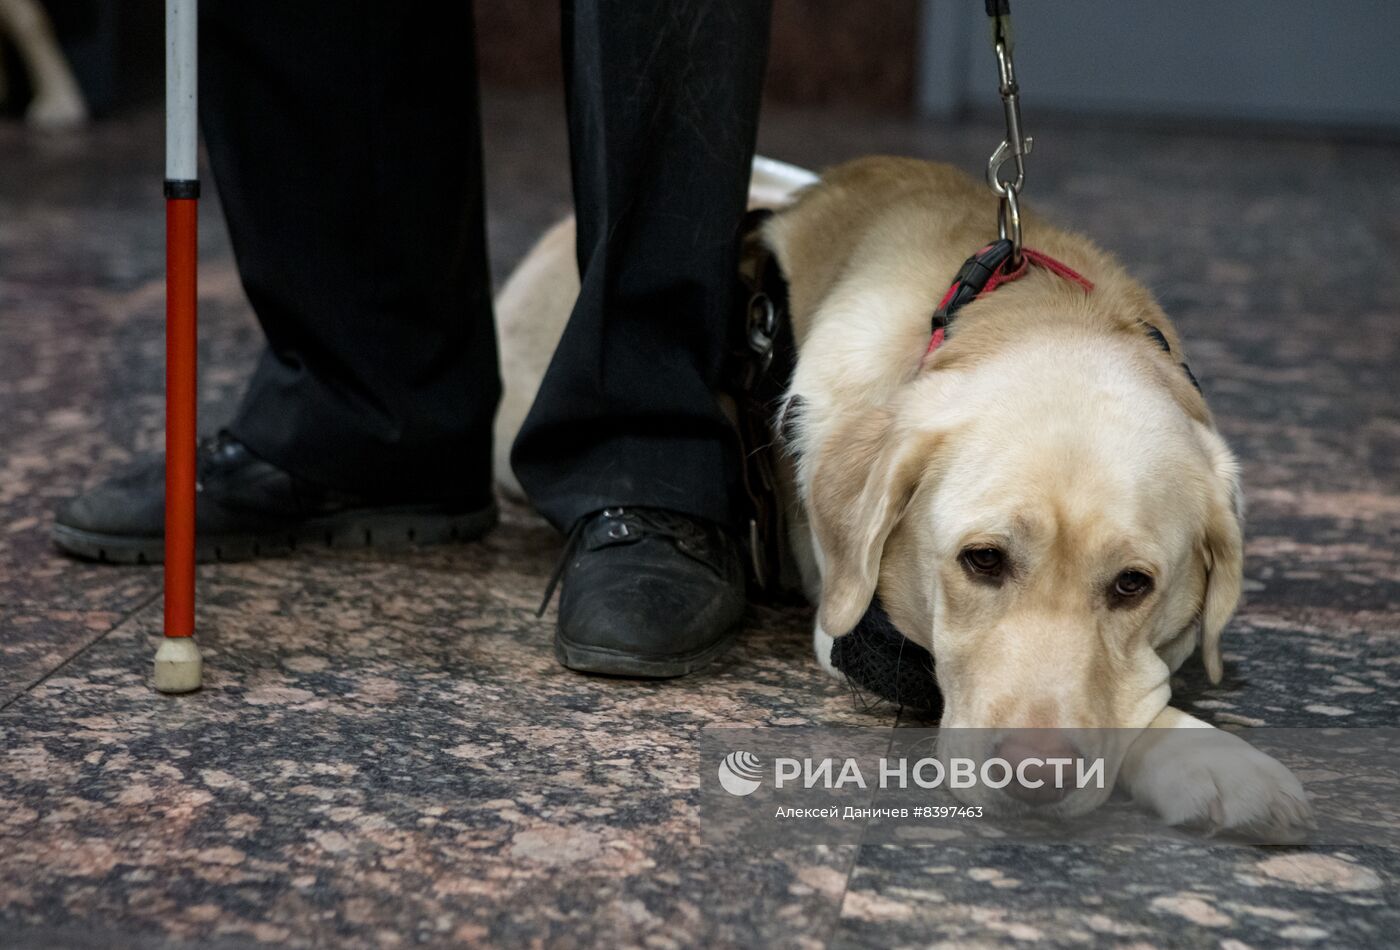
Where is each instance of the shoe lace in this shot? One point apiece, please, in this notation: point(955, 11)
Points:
point(654, 521)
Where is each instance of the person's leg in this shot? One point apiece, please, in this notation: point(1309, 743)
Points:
point(345, 142)
point(663, 100)
point(626, 443)
point(346, 146)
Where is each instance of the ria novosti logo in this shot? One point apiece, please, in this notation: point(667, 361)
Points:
point(740, 773)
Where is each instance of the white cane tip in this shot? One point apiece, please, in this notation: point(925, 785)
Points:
point(179, 668)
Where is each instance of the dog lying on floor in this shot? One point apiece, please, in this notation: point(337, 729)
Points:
point(1036, 493)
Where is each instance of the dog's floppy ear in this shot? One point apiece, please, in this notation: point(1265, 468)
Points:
point(861, 484)
point(1222, 550)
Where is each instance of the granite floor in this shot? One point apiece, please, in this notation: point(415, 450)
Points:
point(385, 752)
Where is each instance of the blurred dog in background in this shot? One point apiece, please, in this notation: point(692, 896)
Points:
point(57, 102)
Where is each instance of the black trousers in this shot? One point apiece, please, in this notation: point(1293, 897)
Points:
point(345, 140)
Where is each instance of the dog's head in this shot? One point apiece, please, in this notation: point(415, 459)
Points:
point(1049, 522)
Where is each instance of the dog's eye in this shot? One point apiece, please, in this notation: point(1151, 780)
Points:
point(1131, 585)
point(987, 562)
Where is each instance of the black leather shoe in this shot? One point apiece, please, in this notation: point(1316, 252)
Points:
point(649, 593)
point(247, 508)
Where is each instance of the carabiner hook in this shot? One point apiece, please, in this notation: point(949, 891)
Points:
point(1003, 154)
point(1016, 146)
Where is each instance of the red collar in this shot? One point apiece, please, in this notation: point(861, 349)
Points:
point(983, 273)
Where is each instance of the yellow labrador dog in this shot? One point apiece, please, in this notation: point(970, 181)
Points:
point(1041, 500)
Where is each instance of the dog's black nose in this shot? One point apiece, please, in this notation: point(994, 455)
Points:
point(1043, 765)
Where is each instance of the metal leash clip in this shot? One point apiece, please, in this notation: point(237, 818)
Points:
point(1016, 146)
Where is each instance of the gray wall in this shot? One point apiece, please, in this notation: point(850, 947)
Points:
point(1309, 62)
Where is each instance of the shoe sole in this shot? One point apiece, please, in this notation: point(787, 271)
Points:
point(590, 659)
point(381, 529)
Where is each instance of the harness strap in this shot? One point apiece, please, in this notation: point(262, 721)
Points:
point(983, 273)
point(991, 267)
point(987, 270)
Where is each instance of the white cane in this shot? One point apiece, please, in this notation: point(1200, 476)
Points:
point(178, 668)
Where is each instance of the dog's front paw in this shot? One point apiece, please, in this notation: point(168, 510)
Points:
point(57, 111)
point(1213, 781)
point(821, 645)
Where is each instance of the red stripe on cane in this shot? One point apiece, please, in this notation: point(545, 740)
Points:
point(181, 255)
